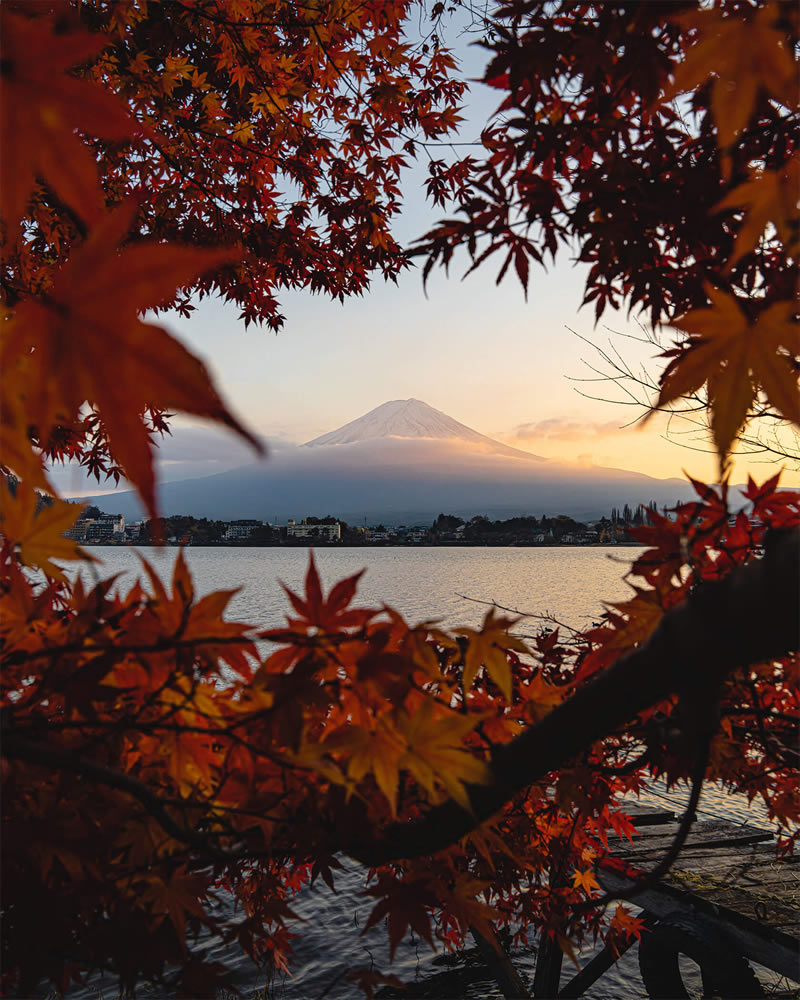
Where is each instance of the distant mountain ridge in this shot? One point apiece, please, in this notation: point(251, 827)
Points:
point(412, 418)
point(404, 462)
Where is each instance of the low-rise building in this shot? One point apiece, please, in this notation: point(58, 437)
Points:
point(243, 528)
point(102, 528)
point(330, 531)
point(77, 532)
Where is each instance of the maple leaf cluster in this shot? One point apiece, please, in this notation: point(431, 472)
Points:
point(280, 128)
point(161, 762)
point(157, 758)
point(270, 140)
point(659, 142)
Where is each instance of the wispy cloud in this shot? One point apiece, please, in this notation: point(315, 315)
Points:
point(565, 429)
point(191, 451)
point(204, 446)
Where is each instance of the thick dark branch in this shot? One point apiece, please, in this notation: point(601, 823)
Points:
point(164, 645)
point(749, 616)
point(16, 747)
point(201, 844)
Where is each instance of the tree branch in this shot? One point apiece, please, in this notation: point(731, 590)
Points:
point(16, 747)
point(749, 616)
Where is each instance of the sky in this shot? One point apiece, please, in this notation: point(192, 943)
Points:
point(507, 367)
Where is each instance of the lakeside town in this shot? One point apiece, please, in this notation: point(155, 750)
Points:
point(94, 527)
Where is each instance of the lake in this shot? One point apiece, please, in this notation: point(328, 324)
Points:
point(422, 583)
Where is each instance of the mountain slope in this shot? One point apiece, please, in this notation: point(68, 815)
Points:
point(412, 418)
point(404, 462)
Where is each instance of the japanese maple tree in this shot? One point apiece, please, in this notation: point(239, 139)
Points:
point(159, 759)
point(276, 130)
point(658, 142)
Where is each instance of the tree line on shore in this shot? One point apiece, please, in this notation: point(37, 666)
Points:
point(445, 529)
point(528, 528)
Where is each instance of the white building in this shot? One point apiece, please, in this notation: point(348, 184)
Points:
point(240, 529)
point(103, 528)
point(331, 532)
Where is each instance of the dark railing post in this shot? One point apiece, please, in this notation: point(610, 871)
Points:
point(499, 964)
point(548, 968)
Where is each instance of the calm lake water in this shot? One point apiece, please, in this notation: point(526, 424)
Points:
point(422, 583)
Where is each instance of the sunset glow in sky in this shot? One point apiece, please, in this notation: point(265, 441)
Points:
point(479, 352)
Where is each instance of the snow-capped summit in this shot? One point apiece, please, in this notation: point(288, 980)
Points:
point(402, 463)
point(410, 418)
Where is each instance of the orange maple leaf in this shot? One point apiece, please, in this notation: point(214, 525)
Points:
point(328, 615)
point(769, 196)
point(733, 356)
point(744, 54)
point(436, 752)
point(378, 751)
point(201, 621)
point(488, 648)
point(642, 614)
point(42, 106)
point(540, 696)
point(39, 536)
point(461, 902)
point(585, 880)
point(85, 342)
point(625, 922)
point(16, 453)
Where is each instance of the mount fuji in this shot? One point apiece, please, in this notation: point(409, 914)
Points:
point(411, 418)
point(403, 462)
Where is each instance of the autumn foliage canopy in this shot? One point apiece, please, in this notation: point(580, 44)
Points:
point(159, 758)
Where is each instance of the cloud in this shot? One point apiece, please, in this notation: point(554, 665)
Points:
point(207, 447)
point(190, 452)
point(564, 429)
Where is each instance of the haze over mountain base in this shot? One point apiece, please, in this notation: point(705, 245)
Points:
point(404, 462)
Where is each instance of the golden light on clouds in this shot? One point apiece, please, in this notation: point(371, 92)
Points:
point(663, 448)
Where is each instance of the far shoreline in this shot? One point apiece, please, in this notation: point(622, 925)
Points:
point(315, 544)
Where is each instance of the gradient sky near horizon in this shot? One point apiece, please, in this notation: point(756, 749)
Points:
point(479, 352)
